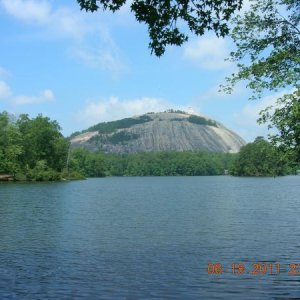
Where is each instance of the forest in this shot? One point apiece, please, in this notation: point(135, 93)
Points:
point(34, 149)
point(259, 158)
point(97, 164)
point(31, 149)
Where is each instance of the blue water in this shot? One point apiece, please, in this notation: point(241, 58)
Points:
point(149, 238)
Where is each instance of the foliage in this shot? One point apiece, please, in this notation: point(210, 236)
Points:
point(10, 145)
point(42, 140)
point(115, 138)
point(150, 164)
point(31, 149)
point(197, 120)
point(41, 172)
point(176, 111)
point(163, 18)
point(109, 127)
point(201, 120)
point(72, 175)
point(260, 158)
point(87, 163)
point(267, 38)
point(286, 118)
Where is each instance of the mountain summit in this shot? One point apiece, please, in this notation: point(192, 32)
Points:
point(165, 131)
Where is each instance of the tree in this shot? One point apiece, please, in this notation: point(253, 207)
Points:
point(286, 118)
point(10, 145)
point(164, 18)
point(88, 163)
point(267, 39)
point(42, 140)
point(260, 158)
point(31, 149)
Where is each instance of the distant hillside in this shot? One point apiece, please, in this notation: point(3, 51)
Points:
point(153, 132)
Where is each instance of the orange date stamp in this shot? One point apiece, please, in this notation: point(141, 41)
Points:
point(255, 269)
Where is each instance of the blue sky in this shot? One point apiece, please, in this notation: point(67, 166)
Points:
point(81, 69)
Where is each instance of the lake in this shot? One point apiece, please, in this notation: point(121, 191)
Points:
point(151, 238)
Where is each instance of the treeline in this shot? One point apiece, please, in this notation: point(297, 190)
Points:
point(31, 149)
point(261, 158)
point(35, 150)
point(97, 164)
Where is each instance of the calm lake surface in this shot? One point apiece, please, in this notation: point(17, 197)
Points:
point(150, 238)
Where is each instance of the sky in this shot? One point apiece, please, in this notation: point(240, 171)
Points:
point(81, 69)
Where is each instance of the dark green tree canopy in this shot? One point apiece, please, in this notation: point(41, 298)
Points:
point(261, 158)
point(164, 18)
point(187, 163)
point(42, 140)
point(31, 149)
point(286, 118)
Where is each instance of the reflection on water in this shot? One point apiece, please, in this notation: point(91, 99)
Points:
point(149, 238)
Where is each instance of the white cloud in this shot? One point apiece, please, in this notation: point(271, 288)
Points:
point(59, 23)
point(91, 42)
point(3, 73)
point(113, 109)
point(95, 55)
point(44, 96)
point(29, 11)
point(208, 52)
point(246, 118)
point(6, 94)
point(65, 23)
point(5, 91)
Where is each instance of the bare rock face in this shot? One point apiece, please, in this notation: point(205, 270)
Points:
point(166, 131)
